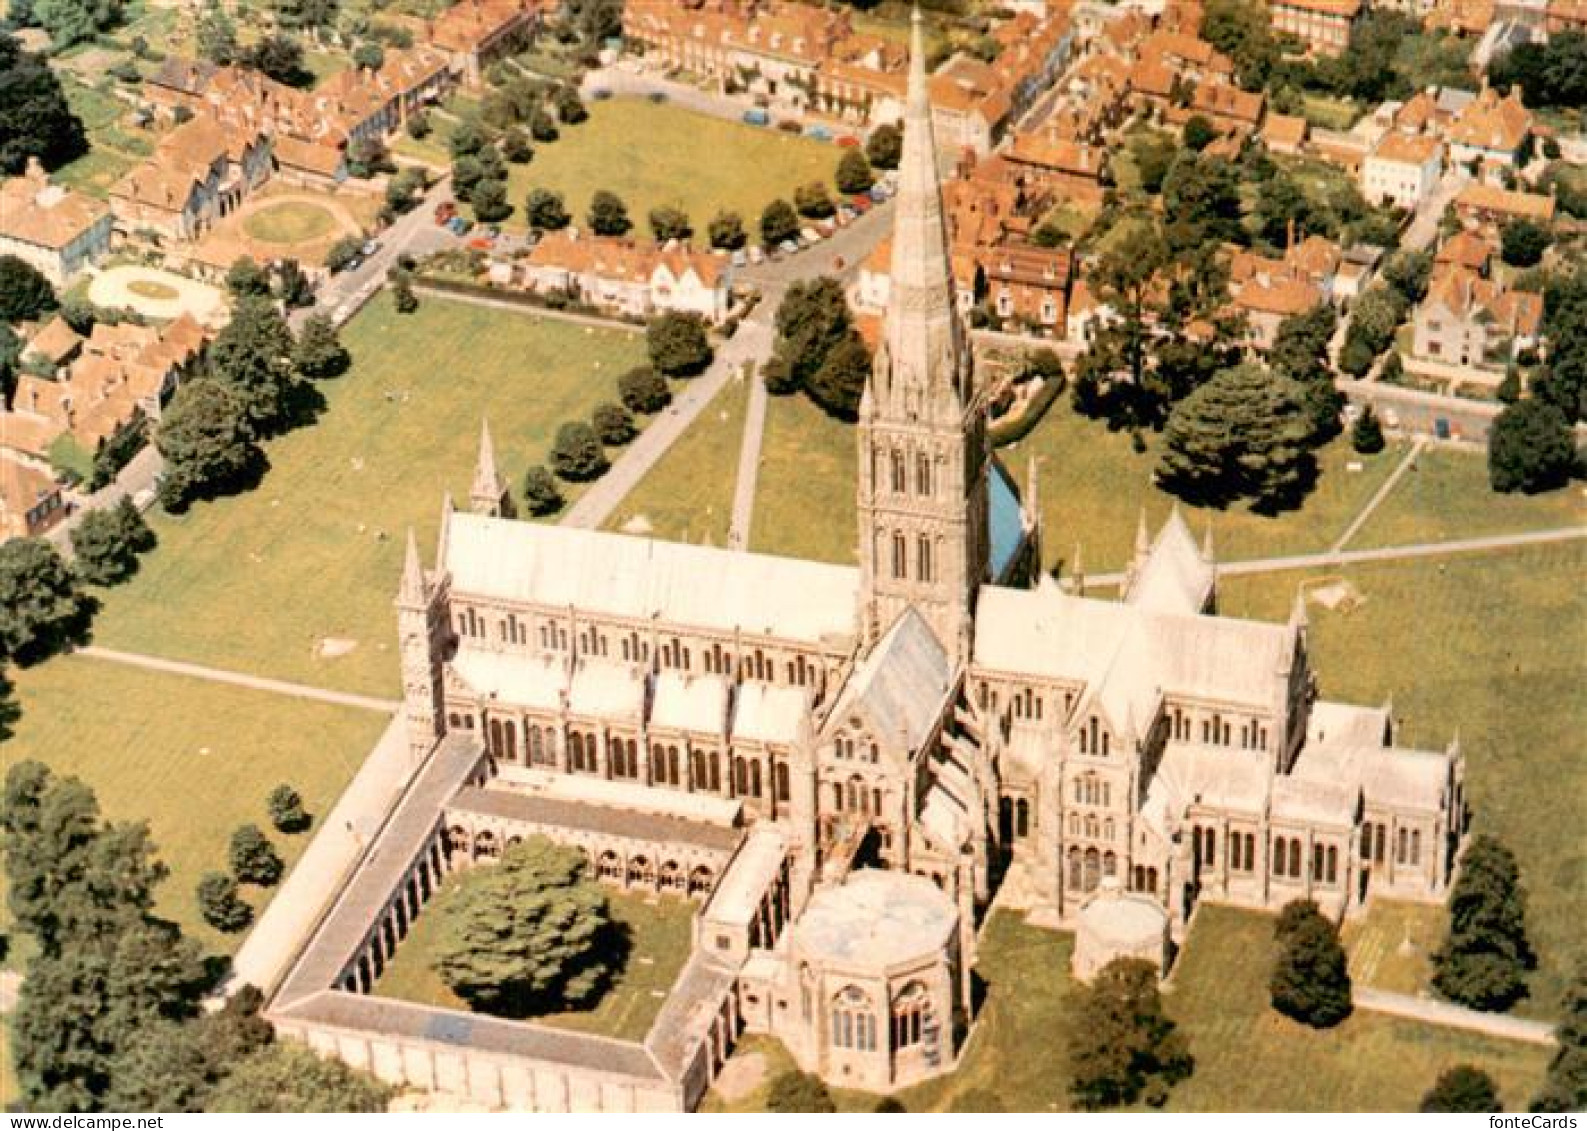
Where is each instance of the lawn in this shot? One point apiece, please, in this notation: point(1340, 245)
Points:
point(804, 495)
point(257, 583)
point(1491, 646)
point(658, 154)
point(195, 759)
point(688, 495)
point(658, 930)
point(1391, 946)
point(1249, 1058)
point(1329, 113)
point(289, 223)
point(1447, 496)
point(112, 151)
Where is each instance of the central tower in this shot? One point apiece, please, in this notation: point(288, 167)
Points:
point(922, 430)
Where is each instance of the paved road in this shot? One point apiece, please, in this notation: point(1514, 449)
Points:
point(420, 286)
point(240, 679)
point(1333, 558)
point(1454, 1016)
point(1378, 496)
point(748, 466)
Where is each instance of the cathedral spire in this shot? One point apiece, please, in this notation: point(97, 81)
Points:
point(923, 355)
point(488, 495)
point(413, 591)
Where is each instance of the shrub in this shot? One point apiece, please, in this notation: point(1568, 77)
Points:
point(540, 492)
point(643, 390)
point(253, 858)
point(613, 423)
point(678, 344)
point(577, 455)
point(286, 809)
point(1367, 435)
point(1311, 979)
point(220, 905)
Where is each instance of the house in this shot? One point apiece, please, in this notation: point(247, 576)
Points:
point(199, 173)
point(1267, 290)
point(54, 346)
point(1285, 133)
point(1565, 15)
point(1468, 251)
point(1070, 169)
point(1403, 169)
point(1029, 284)
point(969, 106)
point(1358, 265)
point(1490, 133)
point(631, 278)
point(56, 230)
point(1468, 320)
point(1483, 205)
point(474, 32)
point(1235, 112)
point(1323, 25)
point(30, 498)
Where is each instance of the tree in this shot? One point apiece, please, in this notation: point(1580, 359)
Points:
point(171, 1069)
point(813, 201)
point(1241, 30)
point(253, 858)
point(1522, 243)
point(35, 118)
point(319, 353)
point(1300, 352)
point(1484, 960)
point(854, 173)
point(545, 211)
point(1122, 1047)
point(369, 55)
point(670, 223)
point(542, 126)
point(25, 294)
point(108, 540)
point(41, 608)
point(285, 806)
point(490, 202)
point(643, 390)
point(220, 905)
point(246, 279)
point(1202, 196)
point(577, 455)
point(288, 1077)
point(1154, 155)
point(1367, 435)
point(207, 443)
point(608, 214)
point(1551, 74)
point(467, 175)
point(253, 356)
point(678, 344)
point(570, 107)
point(10, 361)
point(778, 223)
point(529, 933)
point(541, 494)
point(1199, 133)
point(515, 147)
point(466, 140)
point(1244, 434)
point(794, 1092)
point(71, 22)
point(404, 190)
point(279, 57)
point(343, 252)
point(1282, 207)
point(1310, 981)
point(402, 296)
point(217, 36)
point(885, 146)
point(726, 231)
point(1462, 1089)
point(1565, 1087)
point(889, 1105)
point(1530, 448)
point(613, 423)
point(838, 383)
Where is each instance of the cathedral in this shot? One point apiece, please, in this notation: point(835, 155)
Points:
point(846, 765)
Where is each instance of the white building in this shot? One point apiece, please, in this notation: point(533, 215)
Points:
point(57, 231)
point(1402, 169)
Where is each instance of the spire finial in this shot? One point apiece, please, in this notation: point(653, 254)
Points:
point(488, 494)
point(413, 590)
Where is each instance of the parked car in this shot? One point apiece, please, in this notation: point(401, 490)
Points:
point(740, 258)
point(819, 132)
point(848, 141)
point(809, 235)
point(444, 212)
point(787, 247)
point(657, 96)
point(370, 247)
point(756, 255)
point(756, 117)
point(600, 94)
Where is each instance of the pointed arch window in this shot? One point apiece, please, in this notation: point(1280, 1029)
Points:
point(900, 484)
point(923, 557)
point(923, 476)
point(900, 553)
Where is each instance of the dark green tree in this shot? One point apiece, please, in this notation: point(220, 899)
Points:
point(41, 608)
point(812, 320)
point(466, 140)
point(1530, 448)
point(1154, 154)
point(108, 540)
point(219, 903)
point(577, 455)
point(25, 294)
point(1366, 436)
point(279, 57)
point(541, 494)
point(1484, 961)
point(794, 1092)
point(71, 22)
point(1523, 242)
point(1122, 1046)
point(253, 858)
point(570, 107)
point(670, 223)
point(171, 1069)
point(542, 126)
point(253, 357)
point(369, 55)
point(515, 147)
point(1462, 1090)
point(1199, 133)
point(813, 201)
point(778, 222)
point(490, 202)
point(343, 252)
point(529, 933)
point(467, 175)
point(292, 285)
point(285, 806)
point(854, 173)
point(1565, 1087)
point(1241, 30)
point(319, 353)
point(608, 214)
point(726, 231)
point(839, 381)
point(402, 297)
point(889, 1105)
point(545, 211)
point(246, 279)
point(287, 1077)
point(1310, 981)
point(35, 118)
point(1245, 434)
point(885, 146)
point(1300, 352)
point(207, 443)
point(1201, 198)
point(613, 423)
point(643, 390)
point(404, 190)
point(678, 344)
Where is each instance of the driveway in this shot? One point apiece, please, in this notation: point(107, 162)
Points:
point(156, 294)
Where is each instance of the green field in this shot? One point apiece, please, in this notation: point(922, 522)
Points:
point(195, 759)
point(1490, 646)
point(688, 495)
point(1447, 496)
point(658, 930)
point(256, 583)
point(112, 150)
point(290, 222)
point(804, 496)
point(659, 154)
point(1249, 1058)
